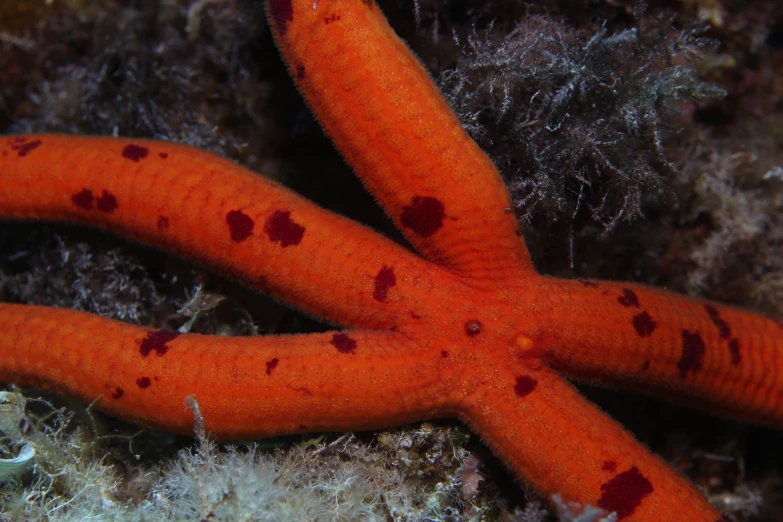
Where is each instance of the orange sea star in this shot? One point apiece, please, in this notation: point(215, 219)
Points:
point(468, 329)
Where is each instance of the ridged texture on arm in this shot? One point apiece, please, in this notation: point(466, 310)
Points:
point(246, 387)
point(210, 210)
point(386, 116)
point(547, 432)
point(692, 351)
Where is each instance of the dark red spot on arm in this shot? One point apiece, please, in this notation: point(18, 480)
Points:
point(157, 341)
point(282, 229)
point(302, 389)
point(628, 298)
point(118, 393)
point(240, 226)
point(163, 155)
point(609, 465)
point(300, 72)
point(331, 19)
point(24, 148)
point(106, 203)
point(587, 284)
point(444, 354)
point(135, 153)
point(723, 327)
point(271, 365)
point(643, 324)
point(473, 327)
point(343, 343)
point(692, 353)
point(282, 13)
point(645, 366)
point(83, 199)
point(625, 492)
point(736, 357)
point(143, 382)
point(383, 282)
point(163, 223)
point(525, 386)
point(424, 216)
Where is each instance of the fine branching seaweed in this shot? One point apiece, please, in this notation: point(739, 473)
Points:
point(577, 118)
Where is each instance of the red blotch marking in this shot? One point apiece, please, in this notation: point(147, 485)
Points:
point(383, 282)
point(271, 365)
point(163, 155)
point(415, 316)
point(525, 386)
point(609, 465)
point(723, 327)
point(23, 149)
point(343, 343)
point(330, 19)
point(143, 382)
point(282, 229)
point(135, 153)
point(734, 350)
point(163, 223)
point(643, 324)
point(424, 215)
point(444, 354)
point(282, 13)
point(156, 340)
point(588, 284)
point(106, 203)
point(645, 366)
point(302, 389)
point(628, 298)
point(692, 353)
point(625, 492)
point(118, 393)
point(473, 328)
point(83, 199)
point(300, 71)
point(240, 226)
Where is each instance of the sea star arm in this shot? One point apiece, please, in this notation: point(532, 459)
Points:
point(691, 351)
point(463, 343)
point(549, 434)
point(217, 213)
point(246, 387)
point(386, 116)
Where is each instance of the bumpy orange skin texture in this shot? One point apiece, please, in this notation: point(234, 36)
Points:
point(467, 329)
